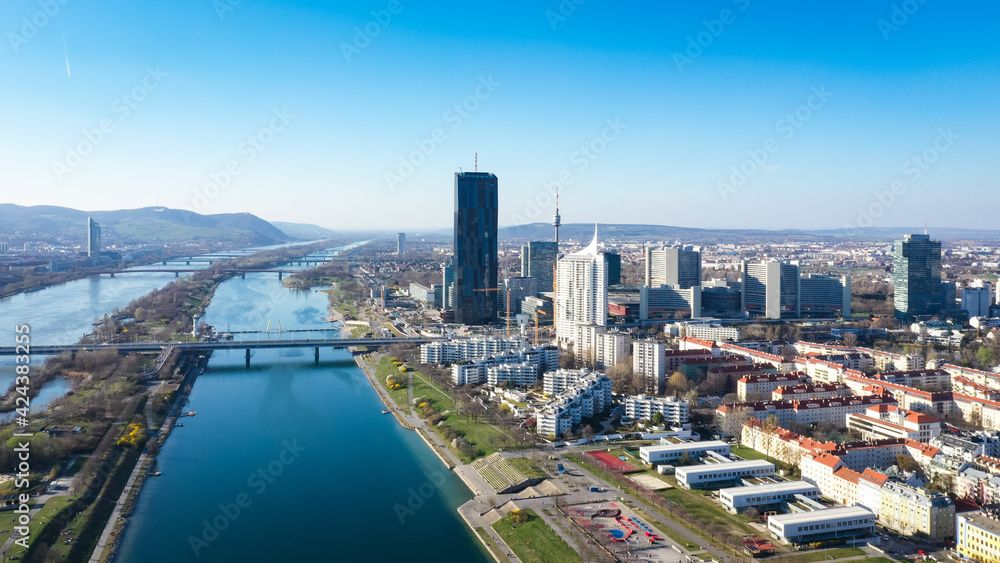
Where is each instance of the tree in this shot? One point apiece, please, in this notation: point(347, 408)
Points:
point(684, 459)
point(730, 398)
point(657, 418)
point(732, 424)
point(678, 383)
point(588, 431)
point(752, 513)
point(850, 339)
point(985, 356)
point(519, 516)
point(907, 463)
point(621, 378)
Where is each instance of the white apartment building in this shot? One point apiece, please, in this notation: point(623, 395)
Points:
point(472, 349)
point(649, 359)
point(581, 292)
point(641, 407)
point(582, 397)
point(521, 375)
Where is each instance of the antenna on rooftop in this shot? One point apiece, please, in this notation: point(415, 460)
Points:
point(477, 170)
point(925, 226)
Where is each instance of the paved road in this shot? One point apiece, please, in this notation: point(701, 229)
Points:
point(60, 486)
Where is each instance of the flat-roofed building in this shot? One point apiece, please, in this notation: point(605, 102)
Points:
point(670, 453)
point(978, 537)
point(758, 387)
point(641, 407)
point(738, 499)
point(842, 522)
point(718, 475)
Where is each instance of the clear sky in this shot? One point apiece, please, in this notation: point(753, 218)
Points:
point(357, 114)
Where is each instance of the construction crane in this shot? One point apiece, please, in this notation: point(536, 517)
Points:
point(537, 312)
point(507, 328)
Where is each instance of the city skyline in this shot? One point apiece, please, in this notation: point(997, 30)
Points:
point(723, 108)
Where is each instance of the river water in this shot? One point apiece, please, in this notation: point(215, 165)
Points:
point(291, 461)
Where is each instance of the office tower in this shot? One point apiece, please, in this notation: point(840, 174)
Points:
point(949, 295)
point(977, 298)
point(581, 292)
point(400, 243)
point(538, 260)
point(649, 358)
point(93, 238)
point(614, 267)
point(825, 296)
point(515, 290)
point(448, 285)
point(665, 302)
point(475, 248)
point(676, 266)
point(916, 276)
point(771, 290)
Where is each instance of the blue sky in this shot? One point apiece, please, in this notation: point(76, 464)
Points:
point(318, 112)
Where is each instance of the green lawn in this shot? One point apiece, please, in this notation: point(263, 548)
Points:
point(698, 504)
point(479, 434)
point(400, 396)
point(822, 554)
point(746, 453)
point(534, 541)
point(44, 514)
point(77, 465)
point(528, 466)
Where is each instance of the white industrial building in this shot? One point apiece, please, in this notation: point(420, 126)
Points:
point(738, 499)
point(841, 522)
point(716, 475)
point(670, 453)
point(641, 407)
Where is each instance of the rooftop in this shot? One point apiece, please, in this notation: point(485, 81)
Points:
point(824, 514)
point(766, 488)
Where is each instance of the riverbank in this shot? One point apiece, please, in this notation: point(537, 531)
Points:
point(463, 471)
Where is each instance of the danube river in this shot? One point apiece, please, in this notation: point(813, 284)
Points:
point(290, 461)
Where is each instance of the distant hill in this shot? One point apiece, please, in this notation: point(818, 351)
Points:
point(640, 233)
point(148, 224)
point(303, 231)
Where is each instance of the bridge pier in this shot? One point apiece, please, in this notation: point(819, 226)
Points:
point(248, 358)
point(112, 274)
point(177, 274)
point(243, 276)
point(316, 352)
point(188, 262)
point(279, 275)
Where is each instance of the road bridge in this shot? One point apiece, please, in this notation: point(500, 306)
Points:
point(211, 345)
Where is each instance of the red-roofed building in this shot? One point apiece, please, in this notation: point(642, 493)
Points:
point(889, 421)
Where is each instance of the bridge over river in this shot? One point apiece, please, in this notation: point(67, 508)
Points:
point(210, 345)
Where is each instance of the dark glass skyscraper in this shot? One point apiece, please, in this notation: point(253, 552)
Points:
point(916, 276)
point(538, 260)
point(475, 248)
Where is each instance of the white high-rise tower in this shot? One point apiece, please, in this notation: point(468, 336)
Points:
point(581, 292)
